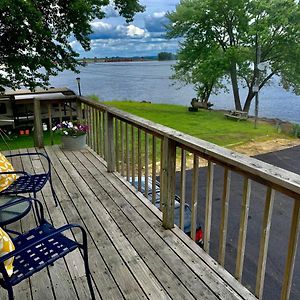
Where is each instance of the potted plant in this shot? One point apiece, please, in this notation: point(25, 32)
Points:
point(73, 135)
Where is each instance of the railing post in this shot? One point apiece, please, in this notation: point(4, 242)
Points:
point(38, 127)
point(168, 182)
point(50, 123)
point(79, 110)
point(109, 142)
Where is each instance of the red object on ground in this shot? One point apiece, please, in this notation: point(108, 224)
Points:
point(21, 132)
point(199, 235)
point(27, 131)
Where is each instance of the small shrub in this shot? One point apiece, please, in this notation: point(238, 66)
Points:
point(296, 130)
point(93, 97)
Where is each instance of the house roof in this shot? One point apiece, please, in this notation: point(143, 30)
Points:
point(43, 94)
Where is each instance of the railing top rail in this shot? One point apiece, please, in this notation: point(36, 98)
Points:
point(278, 178)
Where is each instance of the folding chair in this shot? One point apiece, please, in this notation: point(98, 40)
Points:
point(29, 183)
point(39, 248)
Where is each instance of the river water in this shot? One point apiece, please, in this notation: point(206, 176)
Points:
point(150, 81)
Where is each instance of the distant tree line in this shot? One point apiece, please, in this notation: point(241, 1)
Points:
point(166, 56)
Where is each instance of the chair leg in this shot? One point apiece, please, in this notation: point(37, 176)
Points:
point(53, 192)
point(36, 210)
point(10, 292)
point(86, 264)
point(88, 272)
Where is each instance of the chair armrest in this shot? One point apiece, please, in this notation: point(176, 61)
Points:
point(15, 172)
point(32, 154)
point(39, 241)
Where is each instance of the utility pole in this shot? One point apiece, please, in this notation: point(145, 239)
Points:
point(78, 83)
point(256, 74)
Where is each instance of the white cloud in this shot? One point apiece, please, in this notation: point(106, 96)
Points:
point(159, 15)
point(145, 36)
point(103, 30)
point(133, 31)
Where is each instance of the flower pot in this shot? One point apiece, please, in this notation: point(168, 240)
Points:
point(70, 142)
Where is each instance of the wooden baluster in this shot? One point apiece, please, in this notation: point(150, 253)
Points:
point(146, 165)
point(78, 110)
point(38, 126)
point(105, 135)
point(139, 161)
point(243, 230)
point(161, 202)
point(109, 142)
point(103, 132)
point(88, 120)
point(85, 113)
point(60, 113)
point(92, 144)
point(153, 169)
point(101, 129)
point(95, 129)
point(98, 131)
point(127, 153)
point(264, 243)
point(50, 123)
point(71, 111)
point(122, 149)
point(194, 203)
point(168, 188)
point(208, 205)
point(224, 216)
point(182, 188)
point(292, 251)
point(117, 145)
point(132, 154)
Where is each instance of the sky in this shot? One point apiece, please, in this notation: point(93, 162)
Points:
point(112, 36)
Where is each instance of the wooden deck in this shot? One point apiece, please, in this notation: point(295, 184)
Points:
point(131, 255)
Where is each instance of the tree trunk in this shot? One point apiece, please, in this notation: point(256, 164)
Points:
point(248, 101)
point(235, 87)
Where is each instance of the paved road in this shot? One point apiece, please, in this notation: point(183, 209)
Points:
point(288, 159)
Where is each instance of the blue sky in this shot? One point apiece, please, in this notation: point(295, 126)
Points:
point(112, 36)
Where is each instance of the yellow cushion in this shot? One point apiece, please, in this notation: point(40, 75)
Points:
point(6, 246)
point(6, 179)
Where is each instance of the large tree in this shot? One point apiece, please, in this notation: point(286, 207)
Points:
point(223, 37)
point(35, 36)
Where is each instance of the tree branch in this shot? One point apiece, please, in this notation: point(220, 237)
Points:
point(267, 78)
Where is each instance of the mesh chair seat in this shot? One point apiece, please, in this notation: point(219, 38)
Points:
point(41, 255)
point(27, 184)
point(39, 248)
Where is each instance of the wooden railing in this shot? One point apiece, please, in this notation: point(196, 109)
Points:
point(65, 110)
point(137, 148)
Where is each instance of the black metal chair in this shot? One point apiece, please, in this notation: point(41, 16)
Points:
point(39, 248)
point(29, 183)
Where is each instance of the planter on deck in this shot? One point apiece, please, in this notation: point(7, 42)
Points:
point(70, 142)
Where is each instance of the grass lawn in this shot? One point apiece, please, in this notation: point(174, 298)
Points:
point(208, 125)
point(23, 141)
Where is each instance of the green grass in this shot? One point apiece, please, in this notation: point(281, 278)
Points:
point(208, 125)
point(21, 141)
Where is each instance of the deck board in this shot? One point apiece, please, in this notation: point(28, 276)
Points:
point(131, 255)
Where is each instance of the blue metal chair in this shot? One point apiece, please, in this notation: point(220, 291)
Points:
point(29, 183)
point(39, 248)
